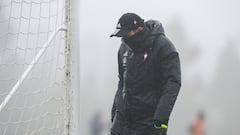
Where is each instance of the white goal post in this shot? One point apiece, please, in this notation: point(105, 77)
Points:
point(39, 67)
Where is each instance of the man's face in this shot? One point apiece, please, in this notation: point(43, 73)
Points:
point(133, 32)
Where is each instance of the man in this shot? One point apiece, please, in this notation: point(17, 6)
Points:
point(149, 78)
point(198, 126)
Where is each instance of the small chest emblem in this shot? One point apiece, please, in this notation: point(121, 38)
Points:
point(145, 56)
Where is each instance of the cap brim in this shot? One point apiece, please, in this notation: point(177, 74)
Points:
point(120, 33)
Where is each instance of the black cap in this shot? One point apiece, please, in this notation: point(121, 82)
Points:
point(126, 23)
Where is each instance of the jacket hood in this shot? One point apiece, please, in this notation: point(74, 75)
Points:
point(154, 27)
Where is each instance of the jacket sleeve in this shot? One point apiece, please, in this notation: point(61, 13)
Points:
point(169, 66)
point(120, 84)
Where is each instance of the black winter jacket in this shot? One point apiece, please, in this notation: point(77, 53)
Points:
point(149, 82)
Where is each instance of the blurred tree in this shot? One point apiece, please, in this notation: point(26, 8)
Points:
point(192, 90)
point(228, 73)
point(177, 32)
point(224, 91)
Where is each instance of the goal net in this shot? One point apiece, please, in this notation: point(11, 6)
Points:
point(34, 60)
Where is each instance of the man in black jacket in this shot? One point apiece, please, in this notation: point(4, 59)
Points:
point(149, 78)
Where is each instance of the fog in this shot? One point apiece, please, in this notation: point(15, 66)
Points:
point(205, 32)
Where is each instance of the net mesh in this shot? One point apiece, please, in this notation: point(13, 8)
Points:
point(39, 103)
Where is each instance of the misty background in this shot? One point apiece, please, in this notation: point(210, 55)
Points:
point(207, 35)
point(205, 32)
